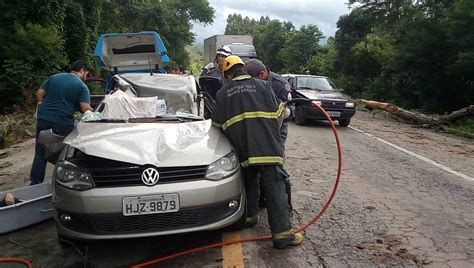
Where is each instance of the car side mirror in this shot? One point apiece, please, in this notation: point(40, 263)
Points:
point(341, 90)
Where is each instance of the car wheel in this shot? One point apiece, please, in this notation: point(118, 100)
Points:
point(344, 122)
point(299, 116)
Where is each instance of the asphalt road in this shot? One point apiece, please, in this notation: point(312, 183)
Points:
point(406, 199)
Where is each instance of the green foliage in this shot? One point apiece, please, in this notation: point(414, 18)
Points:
point(42, 37)
point(37, 54)
point(269, 41)
point(323, 62)
point(196, 59)
point(75, 30)
point(299, 48)
point(465, 125)
point(238, 25)
point(14, 128)
point(280, 46)
point(417, 54)
point(171, 19)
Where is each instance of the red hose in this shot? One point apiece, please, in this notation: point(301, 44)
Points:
point(16, 260)
point(261, 238)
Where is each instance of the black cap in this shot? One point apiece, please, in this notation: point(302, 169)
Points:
point(254, 67)
point(79, 64)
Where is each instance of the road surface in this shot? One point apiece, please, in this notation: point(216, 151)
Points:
point(406, 199)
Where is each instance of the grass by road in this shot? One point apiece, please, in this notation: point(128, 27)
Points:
point(16, 127)
point(465, 125)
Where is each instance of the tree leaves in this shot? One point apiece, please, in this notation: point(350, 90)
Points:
point(42, 37)
point(417, 54)
point(278, 44)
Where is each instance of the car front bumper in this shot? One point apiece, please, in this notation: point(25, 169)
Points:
point(316, 114)
point(96, 214)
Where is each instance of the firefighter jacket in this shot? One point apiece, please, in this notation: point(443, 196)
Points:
point(247, 111)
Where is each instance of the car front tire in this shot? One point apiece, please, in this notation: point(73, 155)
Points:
point(344, 122)
point(300, 119)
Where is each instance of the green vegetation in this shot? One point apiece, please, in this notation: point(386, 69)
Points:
point(195, 59)
point(415, 54)
point(282, 47)
point(42, 37)
point(465, 125)
point(16, 127)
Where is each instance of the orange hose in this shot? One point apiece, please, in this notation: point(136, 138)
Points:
point(16, 260)
point(262, 238)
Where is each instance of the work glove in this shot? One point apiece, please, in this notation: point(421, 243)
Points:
point(284, 115)
point(9, 199)
point(91, 116)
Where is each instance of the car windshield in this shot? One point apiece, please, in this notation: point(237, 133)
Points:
point(315, 83)
point(139, 96)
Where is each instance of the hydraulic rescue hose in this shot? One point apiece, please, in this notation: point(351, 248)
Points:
point(262, 238)
point(15, 262)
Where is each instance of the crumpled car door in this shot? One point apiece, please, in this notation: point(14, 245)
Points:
point(209, 87)
point(53, 144)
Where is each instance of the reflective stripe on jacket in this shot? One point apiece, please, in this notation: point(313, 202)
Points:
point(247, 110)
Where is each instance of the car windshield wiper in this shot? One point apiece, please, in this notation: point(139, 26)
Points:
point(189, 116)
point(165, 118)
point(155, 119)
point(310, 88)
point(107, 121)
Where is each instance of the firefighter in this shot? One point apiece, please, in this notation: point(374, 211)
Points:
point(250, 115)
point(282, 90)
point(214, 68)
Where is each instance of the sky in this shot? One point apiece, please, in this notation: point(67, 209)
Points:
point(322, 13)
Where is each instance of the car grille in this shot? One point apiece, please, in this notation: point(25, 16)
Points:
point(131, 175)
point(334, 104)
point(110, 173)
point(110, 224)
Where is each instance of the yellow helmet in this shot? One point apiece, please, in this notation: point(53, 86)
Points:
point(231, 61)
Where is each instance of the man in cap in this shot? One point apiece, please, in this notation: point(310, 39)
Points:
point(249, 113)
point(58, 98)
point(282, 90)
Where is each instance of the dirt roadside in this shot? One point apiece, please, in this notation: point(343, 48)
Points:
point(15, 166)
point(447, 149)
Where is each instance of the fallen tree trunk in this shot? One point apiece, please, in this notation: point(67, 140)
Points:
point(417, 118)
point(456, 115)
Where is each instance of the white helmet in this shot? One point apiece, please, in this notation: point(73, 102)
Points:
point(224, 50)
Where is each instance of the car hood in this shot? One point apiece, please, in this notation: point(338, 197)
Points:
point(158, 144)
point(325, 95)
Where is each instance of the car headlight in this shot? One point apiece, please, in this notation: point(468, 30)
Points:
point(223, 167)
point(313, 103)
point(350, 104)
point(72, 177)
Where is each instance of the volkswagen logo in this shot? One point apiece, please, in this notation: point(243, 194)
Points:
point(150, 176)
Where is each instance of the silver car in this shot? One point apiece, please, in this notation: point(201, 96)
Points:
point(146, 163)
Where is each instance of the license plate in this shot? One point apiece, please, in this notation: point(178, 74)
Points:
point(334, 113)
point(150, 204)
